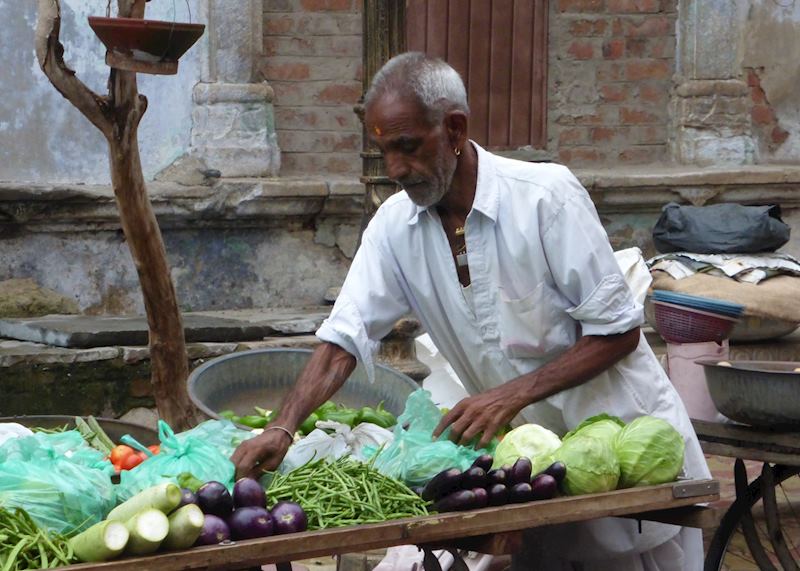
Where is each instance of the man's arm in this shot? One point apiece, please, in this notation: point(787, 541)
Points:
point(325, 373)
point(487, 412)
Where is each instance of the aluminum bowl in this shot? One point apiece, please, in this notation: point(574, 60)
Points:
point(261, 377)
point(765, 394)
point(114, 428)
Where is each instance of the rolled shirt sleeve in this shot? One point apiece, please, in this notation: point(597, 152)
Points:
point(585, 270)
point(369, 304)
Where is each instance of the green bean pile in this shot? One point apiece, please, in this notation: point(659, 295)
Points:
point(345, 492)
point(24, 546)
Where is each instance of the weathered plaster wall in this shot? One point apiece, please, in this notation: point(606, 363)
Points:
point(211, 268)
point(43, 138)
point(771, 49)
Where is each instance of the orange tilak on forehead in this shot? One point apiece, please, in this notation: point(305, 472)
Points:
point(378, 130)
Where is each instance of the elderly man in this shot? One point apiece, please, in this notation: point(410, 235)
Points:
point(509, 270)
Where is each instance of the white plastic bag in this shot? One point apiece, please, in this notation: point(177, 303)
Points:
point(344, 441)
point(9, 430)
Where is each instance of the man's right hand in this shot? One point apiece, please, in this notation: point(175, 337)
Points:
point(261, 453)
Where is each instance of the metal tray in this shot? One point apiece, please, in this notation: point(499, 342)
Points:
point(759, 393)
point(262, 377)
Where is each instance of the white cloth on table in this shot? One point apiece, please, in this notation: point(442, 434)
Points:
point(542, 274)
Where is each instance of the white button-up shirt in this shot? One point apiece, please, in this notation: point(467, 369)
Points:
point(542, 274)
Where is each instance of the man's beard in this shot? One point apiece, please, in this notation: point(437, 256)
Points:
point(426, 192)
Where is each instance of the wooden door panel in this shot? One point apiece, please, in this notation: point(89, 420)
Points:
point(500, 49)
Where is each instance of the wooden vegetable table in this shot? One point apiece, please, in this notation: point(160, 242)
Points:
point(490, 530)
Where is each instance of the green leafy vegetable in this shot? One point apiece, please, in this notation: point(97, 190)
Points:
point(600, 426)
point(529, 441)
point(592, 465)
point(650, 451)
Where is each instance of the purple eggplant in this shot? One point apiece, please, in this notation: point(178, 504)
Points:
point(483, 461)
point(544, 487)
point(557, 470)
point(498, 494)
point(456, 502)
point(473, 478)
point(442, 484)
point(288, 517)
point(520, 471)
point(214, 531)
point(250, 522)
point(520, 493)
point(214, 498)
point(481, 497)
point(248, 492)
point(187, 497)
point(497, 476)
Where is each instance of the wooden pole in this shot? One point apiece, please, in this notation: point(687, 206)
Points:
point(117, 116)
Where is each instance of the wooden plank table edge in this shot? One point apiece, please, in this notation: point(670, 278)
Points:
point(433, 529)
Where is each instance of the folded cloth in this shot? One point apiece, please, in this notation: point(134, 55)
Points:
point(749, 268)
point(775, 298)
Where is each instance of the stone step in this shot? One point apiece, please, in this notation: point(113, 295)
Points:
point(86, 331)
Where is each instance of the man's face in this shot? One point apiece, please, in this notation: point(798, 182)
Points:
point(417, 155)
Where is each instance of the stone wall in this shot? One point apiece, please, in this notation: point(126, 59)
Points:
point(312, 60)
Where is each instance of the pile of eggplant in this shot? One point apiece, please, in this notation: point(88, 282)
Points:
point(480, 486)
point(243, 515)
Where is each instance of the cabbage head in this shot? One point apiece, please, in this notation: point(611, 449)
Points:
point(603, 426)
point(592, 465)
point(528, 440)
point(650, 451)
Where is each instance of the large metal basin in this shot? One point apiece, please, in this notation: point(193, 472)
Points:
point(262, 377)
point(114, 428)
point(760, 393)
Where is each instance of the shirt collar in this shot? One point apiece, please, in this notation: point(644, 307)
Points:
point(486, 194)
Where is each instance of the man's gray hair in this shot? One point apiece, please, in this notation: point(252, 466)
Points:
point(431, 81)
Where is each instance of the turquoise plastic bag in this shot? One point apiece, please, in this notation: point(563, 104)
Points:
point(414, 456)
point(177, 456)
point(221, 434)
point(62, 482)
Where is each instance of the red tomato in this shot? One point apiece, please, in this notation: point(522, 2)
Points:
point(119, 453)
point(131, 461)
point(154, 448)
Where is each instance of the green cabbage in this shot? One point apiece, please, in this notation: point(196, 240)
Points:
point(650, 451)
point(528, 440)
point(603, 426)
point(592, 465)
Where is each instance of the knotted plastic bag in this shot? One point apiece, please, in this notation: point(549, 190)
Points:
point(221, 434)
point(413, 456)
point(355, 442)
point(178, 456)
point(62, 482)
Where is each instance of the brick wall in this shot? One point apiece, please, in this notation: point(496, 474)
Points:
point(313, 62)
point(611, 65)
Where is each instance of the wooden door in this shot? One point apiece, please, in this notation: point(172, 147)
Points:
point(500, 49)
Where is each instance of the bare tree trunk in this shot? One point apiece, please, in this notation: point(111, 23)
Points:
point(118, 116)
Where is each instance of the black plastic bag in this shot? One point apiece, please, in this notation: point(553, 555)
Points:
point(720, 229)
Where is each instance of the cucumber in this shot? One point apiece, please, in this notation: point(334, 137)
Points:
point(185, 525)
point(148, 529)
point(163, 497)
point(101, 542)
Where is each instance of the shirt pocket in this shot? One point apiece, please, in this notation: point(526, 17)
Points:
point(534, 326)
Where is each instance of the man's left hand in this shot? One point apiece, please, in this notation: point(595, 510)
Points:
point(484, 414)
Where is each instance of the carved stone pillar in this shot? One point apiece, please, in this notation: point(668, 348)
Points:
point(233, 119)
point(710, 104)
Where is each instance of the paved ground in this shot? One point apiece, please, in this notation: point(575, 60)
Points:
point(788, 499)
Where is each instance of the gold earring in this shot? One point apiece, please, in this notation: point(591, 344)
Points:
point(457, 151)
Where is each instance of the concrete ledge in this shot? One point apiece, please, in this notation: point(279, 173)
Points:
point(252, 201)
